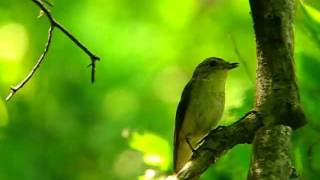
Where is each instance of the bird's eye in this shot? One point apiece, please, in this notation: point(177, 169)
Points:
point(212, 63)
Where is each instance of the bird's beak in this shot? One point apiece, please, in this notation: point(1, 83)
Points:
point(233, 65)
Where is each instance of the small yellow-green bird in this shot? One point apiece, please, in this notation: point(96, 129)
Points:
point(200, 108)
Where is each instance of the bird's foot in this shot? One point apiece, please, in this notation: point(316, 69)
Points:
point(190, 145)
point(219, 128)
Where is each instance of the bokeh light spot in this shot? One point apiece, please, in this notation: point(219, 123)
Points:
point(14, 42)
point(155, 149)
point(128, 164)
point(313, 12)
point(150, 173)
point(177, 13)
point(120, 104)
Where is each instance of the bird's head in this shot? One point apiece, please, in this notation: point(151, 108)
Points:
point(212, 66)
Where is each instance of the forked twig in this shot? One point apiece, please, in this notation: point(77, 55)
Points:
point(53, 24)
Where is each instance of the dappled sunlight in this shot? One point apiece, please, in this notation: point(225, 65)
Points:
point(152, 159)
point(14, 42)
point(313, 12)
point(235, 94)
point(177, 13)
point(148, 175)
point(155, 149)
point(128, 164)
point(11, 75)
point(120, 105)
point(121, 127)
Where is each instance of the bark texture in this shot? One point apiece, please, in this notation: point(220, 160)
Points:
point(277, 97)
point(271, 155)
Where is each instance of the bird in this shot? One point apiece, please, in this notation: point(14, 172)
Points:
point(200, 108)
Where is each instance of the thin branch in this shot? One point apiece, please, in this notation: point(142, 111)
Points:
point(48, 2)
point(92, 56)
point(54, 24)
point(35, 68)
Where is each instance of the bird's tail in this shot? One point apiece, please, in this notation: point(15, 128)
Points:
point(182, 153)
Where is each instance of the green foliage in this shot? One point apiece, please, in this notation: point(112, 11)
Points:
point(60, 126)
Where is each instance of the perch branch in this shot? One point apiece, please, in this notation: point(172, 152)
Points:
point(218, 142)
point(54, 24)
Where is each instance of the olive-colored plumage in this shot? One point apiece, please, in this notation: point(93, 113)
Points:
point(200, 108)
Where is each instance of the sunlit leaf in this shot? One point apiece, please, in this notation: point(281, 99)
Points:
point(155, 149)
point(14, 41)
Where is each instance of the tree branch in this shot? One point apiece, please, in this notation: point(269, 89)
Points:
point(53, 24)
point(35, 67)
point(218, 142)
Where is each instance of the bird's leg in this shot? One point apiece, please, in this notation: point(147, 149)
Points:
point(219, 128)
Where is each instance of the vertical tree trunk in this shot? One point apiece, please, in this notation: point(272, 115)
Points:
point(271, 158)
point(277, 96)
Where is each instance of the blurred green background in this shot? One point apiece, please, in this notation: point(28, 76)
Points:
point(60, 126)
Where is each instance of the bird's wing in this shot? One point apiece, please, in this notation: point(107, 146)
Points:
point(181, 111)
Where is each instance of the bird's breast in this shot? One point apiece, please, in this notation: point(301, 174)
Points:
point(203, 113)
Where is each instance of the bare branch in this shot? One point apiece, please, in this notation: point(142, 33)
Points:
point(92, 56)
point(54, 24)
point(48, 2)
point(35, 68)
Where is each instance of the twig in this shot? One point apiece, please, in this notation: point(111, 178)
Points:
point(36, 66)
point(48, 2)
point(54, 24)
point(92, 56)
